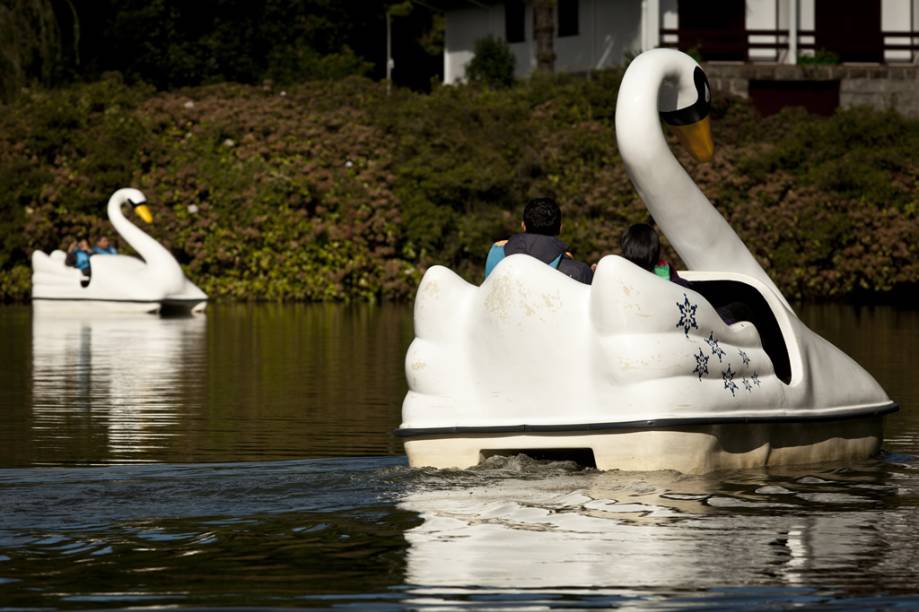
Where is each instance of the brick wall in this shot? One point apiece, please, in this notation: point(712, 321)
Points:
point(880, 87)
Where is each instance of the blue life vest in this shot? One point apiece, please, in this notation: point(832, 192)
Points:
point(496, 254)
point(82, 259)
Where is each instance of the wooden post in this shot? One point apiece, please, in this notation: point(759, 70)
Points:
point(544, 35)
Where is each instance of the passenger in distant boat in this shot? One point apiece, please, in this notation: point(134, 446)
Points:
point(104, 247)
point(641, 245)
point(81, 259)
point(71, 258)
point(541, 225)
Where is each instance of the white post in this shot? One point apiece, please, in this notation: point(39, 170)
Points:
point(645, 25)
point(593, 37)
point(389, 62)
point(653, 28)
point(792, 32)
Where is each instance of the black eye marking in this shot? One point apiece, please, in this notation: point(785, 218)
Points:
point(699, 110)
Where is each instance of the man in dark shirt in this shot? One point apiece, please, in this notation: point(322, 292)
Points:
point(542, 223)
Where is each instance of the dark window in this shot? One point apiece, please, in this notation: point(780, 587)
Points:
point(849, 28)
point(567, 18)
point(714, 30)
point(514, 21)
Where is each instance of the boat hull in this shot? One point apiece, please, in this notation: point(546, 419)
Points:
point(690, 449)
point(183, 306)
point(61, 306)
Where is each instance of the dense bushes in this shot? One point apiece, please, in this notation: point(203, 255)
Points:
point(335, 191)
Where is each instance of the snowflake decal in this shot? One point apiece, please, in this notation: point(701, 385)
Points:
point(755, 379)
point(744, 357)
point(728, 377)
point(747, 385)
point(701, 364)
point(687, 315)
point(716, 348)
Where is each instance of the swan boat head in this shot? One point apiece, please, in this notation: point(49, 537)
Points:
point(640, 370)
point(685, 107)
point(136, 199)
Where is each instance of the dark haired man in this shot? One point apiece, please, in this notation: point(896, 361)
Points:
point(541, 225)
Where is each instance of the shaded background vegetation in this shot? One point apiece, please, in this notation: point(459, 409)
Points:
point(175, 43)
point(299, 182)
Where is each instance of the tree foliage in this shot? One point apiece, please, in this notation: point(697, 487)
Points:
point(175, 43)
point(30, 45)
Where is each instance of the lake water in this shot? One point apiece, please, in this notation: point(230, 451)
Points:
point(245, 459)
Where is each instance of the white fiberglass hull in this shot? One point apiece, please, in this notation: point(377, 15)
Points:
point(91, 306)
point(638, 370)
point(690, 449)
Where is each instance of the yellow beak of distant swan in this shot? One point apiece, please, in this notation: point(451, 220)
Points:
point(697, 139)
point(144, 213)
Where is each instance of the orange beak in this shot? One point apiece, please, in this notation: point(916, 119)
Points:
point(697, 139)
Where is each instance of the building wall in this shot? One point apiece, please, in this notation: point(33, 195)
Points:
point(462, 28)
point(763, 15)
point(896, 16)
point(878, 87)
point(608, 30)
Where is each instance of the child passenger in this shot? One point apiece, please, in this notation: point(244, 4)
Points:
point(78, 257)
point(642, 247)
point(104, 247)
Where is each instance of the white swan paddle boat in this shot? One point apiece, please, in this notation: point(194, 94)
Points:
point(118, 283)
point(638, 371)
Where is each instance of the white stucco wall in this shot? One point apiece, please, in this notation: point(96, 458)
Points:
point(462, 28)
point(895, 17)
point(607, 30)
point(763, 15)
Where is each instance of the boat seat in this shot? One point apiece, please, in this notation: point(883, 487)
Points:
point(721, 293)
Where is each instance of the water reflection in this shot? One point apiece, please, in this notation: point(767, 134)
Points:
point(246, 382)
point(519, 525)
point(115, 383)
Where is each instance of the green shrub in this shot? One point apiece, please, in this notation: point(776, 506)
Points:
point(821, 56)
point(492, 64)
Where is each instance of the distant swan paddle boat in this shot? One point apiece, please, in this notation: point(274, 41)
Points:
point(636, 370)
point(118, 283)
